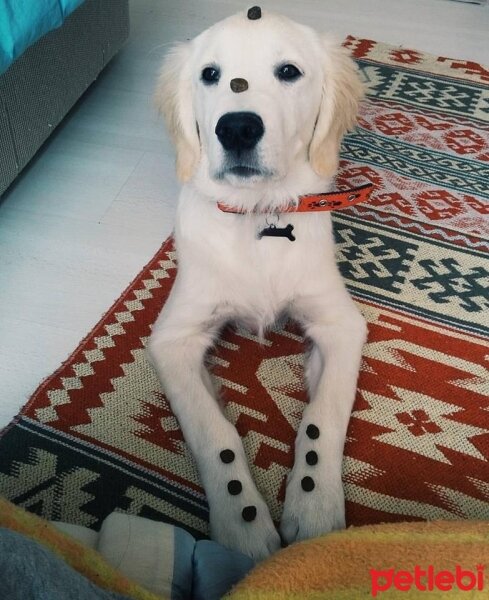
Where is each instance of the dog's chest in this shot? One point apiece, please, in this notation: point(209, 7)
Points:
point(255, 276)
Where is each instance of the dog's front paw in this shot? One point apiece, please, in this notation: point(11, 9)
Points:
point(314, 505)
point(244, 524)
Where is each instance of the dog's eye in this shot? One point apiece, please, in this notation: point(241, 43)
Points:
point(287, 73)
point(210, 75)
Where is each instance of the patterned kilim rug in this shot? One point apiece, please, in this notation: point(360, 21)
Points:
point(99, 436)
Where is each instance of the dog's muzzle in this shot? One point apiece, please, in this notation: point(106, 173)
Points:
point(239, 134)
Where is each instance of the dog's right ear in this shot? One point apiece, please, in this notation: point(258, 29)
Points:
point(174, 99)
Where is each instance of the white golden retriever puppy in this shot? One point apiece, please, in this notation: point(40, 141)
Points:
point(257, 106)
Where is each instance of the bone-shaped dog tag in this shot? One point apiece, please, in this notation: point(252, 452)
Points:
point(274, 231)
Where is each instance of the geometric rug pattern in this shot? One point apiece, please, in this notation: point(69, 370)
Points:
point(99, 435)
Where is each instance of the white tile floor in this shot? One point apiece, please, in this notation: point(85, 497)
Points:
point(99, 199)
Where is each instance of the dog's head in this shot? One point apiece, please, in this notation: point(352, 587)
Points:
point(250, 98)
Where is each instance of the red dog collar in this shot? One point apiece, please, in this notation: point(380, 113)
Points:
point(319, 202)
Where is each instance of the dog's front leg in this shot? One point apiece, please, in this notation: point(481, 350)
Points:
point(238, 515)
point(314, 500)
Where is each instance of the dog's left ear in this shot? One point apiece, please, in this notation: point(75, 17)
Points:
point(341, 95)
point(173, 97)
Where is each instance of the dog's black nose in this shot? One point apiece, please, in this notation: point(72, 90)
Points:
point(238, 131)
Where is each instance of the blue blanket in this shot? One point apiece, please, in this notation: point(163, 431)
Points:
point(202, 570)
point(23, 22)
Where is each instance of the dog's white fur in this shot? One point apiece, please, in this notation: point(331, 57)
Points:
point(225, 273)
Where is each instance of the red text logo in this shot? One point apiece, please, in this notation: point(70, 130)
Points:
point(427, 579)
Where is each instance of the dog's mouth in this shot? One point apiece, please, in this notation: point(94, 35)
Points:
point(244, 171)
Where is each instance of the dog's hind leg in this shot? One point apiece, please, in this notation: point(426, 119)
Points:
point(238, 515)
